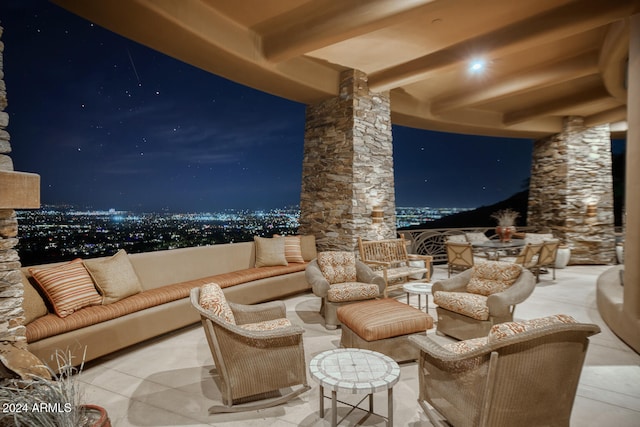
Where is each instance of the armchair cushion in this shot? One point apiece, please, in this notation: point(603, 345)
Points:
point(352, 291)
point(489, 278)
point(471, 305)
point(267, 325)
point(212, 299)
point(337, 266)
point(505, 330)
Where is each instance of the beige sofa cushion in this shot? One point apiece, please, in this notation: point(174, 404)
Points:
point(68, 287)
point(115, 277)
point(270, 251)
point(308, 247)
point(32, 304)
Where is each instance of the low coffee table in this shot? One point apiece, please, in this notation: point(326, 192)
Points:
point(354, 371)
point(420, 289)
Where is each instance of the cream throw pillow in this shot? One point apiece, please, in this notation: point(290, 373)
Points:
point(115, 277)
point(32, 304)
point(308, 247)
point(270, 251)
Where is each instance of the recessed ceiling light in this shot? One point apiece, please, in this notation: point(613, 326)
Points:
point(476, 65)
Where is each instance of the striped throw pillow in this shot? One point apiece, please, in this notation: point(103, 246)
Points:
point(293, 249)
point(68, 287)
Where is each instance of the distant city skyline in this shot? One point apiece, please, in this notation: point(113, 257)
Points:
point(107, 122)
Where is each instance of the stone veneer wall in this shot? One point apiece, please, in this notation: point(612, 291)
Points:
point(11, 290)
point(569, 171)
point(347, 167)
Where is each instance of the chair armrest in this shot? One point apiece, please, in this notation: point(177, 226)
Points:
point(365, 274)
point(377, 263)
point(416, 257)
point(319, 285)
point(457, 283)
point(499, 303)
point(258, 312)
point(436, 351)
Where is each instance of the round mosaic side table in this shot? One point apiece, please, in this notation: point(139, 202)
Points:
point(354, 371)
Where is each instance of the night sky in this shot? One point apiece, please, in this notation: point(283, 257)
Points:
point(109, 123)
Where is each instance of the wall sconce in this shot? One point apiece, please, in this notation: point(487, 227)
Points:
point(592, 209)
point(377, 215)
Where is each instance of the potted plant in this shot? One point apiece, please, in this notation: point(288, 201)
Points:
point(43, 401)
point(506, 223)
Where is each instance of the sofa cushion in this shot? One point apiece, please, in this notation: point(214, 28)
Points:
point(270, 251)
point(212, 298)
point(115, 277)
point(508, 329)
point(472, 305)
point(308, 247)
point(490, 277)
point(68, 287)
point(352, 291)
point(32, 303)
point(51, 324)
point(337, 266)
point(292, 249)
point(233, 278)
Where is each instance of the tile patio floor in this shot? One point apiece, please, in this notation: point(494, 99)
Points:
point(166, 381)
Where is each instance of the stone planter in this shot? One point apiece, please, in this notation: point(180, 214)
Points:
point(562, 256)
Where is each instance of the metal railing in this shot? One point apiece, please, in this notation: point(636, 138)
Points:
point(432, 241)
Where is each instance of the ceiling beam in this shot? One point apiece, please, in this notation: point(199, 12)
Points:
point(613, 59)
point(556, 106)
point(613, 115)
point(322, 23)
point(558, 23)
point(572, 68)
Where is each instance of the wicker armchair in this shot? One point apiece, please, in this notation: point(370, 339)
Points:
point(254, 364)
point(469, 303)
point(339, 278)
point(518, 375)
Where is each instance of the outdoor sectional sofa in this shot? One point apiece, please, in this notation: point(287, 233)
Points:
point(246, 271)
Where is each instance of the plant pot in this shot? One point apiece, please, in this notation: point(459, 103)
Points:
point(505, 232)
point(620, 253)
point(97, 416)
point(562, 256)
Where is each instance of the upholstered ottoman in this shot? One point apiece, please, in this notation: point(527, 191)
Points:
point(383, 325)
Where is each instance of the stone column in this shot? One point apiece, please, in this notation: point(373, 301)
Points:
point(571, 190)
point(11, 312)
point(347, 168)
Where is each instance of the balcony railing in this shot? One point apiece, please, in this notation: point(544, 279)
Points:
point(432, 241)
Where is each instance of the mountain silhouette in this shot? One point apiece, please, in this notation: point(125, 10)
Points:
point(481, 217)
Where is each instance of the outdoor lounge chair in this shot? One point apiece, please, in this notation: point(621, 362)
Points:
point(469, 303)
point(339, 278)
point(257, 353)
point(547, 258)
point(460, 256)
point(520, 374)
